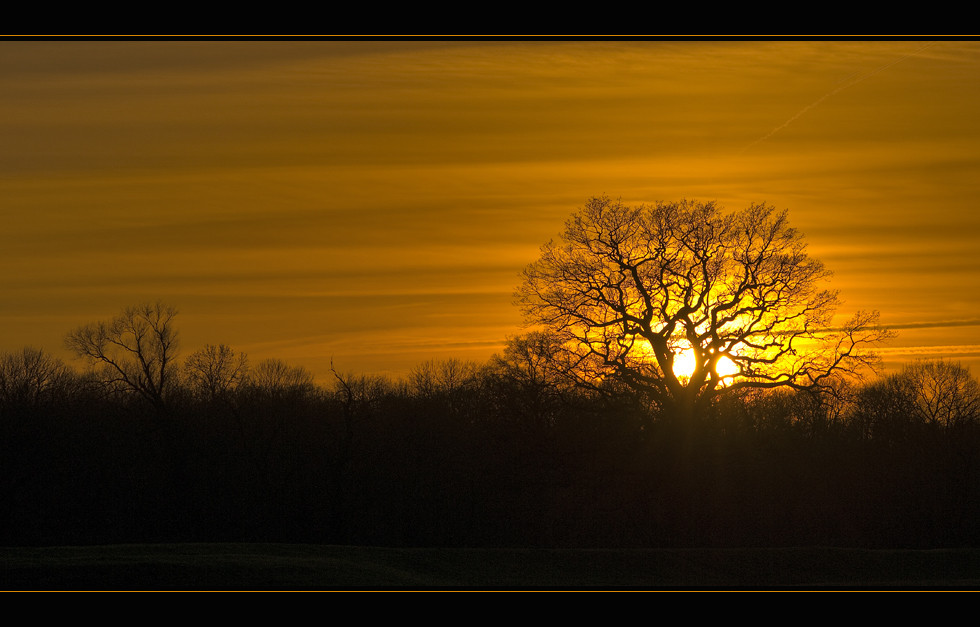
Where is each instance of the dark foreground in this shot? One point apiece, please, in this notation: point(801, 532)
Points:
point(322, 567)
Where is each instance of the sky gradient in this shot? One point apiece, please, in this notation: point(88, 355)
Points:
point(375, 202)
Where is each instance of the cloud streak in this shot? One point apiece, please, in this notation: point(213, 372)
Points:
point(938, 324)
point(851, 81)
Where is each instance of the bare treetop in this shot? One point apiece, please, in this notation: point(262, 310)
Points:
point(136, 350)
point(632, 291)
point(214, 371)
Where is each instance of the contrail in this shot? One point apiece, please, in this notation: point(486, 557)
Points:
point(848, 82)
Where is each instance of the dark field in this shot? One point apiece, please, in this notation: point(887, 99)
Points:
point(321, 567)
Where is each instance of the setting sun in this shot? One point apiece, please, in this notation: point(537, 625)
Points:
point(684, 363)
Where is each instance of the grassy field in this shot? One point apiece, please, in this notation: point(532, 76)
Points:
point(320, 567)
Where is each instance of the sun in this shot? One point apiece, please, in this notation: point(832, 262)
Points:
point(684, 363)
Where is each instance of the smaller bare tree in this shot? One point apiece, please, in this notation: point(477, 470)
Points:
point(278, 378)
point(940, 392)
point(31, 376)
point(447, 377)
point(937, 393)
point(530, 377)
point(134, 352)
point(214, 371)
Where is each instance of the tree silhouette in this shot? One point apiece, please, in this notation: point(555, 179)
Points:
point(29, 376)
point(214, 371)
point(631, 289)
point(135, 351)
point(528, 378)
point(277, 378)
point(939, 393)
point(944, 392)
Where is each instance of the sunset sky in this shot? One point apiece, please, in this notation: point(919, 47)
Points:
point(376, 201)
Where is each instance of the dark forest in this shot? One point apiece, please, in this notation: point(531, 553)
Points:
point(489, 455)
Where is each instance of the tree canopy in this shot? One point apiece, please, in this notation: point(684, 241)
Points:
point(632, 291)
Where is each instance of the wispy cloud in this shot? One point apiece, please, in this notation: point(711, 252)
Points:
point(937, 324)
point(850, 81)
point(963, 350)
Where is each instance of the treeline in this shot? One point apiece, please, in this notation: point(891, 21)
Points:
point(458, 454)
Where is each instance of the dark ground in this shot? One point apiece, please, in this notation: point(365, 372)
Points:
point(323, 567)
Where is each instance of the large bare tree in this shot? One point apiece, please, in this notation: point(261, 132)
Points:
point(136, 351)
point(630, 291)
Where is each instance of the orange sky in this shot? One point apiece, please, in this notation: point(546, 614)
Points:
point(375, 202)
